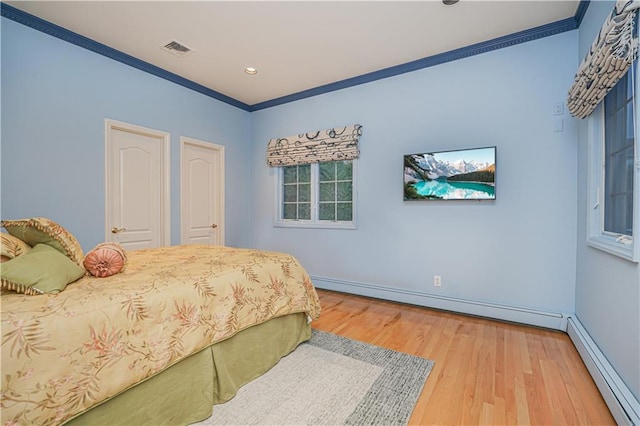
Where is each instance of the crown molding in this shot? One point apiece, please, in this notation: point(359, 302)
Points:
point(581, 11)
point(542, 31)
point(79, 40)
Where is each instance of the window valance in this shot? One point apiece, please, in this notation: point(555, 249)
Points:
point(339, 143)
point(609, 58)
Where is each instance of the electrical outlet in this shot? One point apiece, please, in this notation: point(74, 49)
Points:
point(437, 281)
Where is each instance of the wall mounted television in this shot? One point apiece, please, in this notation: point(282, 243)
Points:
point(462, 174)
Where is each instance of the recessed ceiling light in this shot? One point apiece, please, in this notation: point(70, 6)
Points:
point(251, 71)
point(449, 2)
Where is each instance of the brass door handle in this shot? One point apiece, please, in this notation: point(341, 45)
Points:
point(214, 226)
point(115, 230)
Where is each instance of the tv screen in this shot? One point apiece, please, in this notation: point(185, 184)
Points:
point(463, 174)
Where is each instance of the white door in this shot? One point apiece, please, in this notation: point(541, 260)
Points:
point(137, 186)
point(202, 192)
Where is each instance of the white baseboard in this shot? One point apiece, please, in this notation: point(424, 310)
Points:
point(624, 407)
point(553, 320)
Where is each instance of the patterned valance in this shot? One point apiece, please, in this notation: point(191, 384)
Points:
point(609, 58)
point(339, 143)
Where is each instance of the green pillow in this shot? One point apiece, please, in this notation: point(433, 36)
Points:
point(43, 270)
point(42, 230)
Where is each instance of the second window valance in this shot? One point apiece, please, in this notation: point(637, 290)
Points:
point(609, 58)
point(338, 143)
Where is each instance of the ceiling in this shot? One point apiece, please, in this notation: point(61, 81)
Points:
point(294, 45)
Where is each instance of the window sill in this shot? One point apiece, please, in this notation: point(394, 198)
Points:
point(314, 225)
point(611, 245)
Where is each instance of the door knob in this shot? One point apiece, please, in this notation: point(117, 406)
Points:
point(115, 230)
point(214, 226)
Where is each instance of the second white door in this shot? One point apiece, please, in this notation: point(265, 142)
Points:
point(202, 192)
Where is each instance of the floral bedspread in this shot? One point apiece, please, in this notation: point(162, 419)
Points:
point(64, 353)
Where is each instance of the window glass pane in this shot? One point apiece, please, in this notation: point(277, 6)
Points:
point(327, 171)
point(304, 192)
point(344, 170)
point(619, 157)
point(629, 121)
point(290, 193)
point(304, 173)
point(289, 211)
point(345, 211)
point(290, 174)
point(344, 192)
point(617, 217)
point(327, 211)
point(304, 211)
point(629, 168)
point(327, 192)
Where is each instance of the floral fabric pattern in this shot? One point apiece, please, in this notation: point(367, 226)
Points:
point(64, 353)
point(337, 144)
point(12, 247)
point(610, 57)
point(42, 230)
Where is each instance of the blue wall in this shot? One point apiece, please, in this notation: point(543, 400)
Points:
point(607, 287)
point(517, 251)
point(55, 98)
point(526, 249)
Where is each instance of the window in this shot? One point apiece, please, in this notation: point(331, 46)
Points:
point(614, 178)
point(618, 158)
point(317, 195)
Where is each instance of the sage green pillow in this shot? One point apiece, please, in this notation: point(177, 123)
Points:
point(42, 230)
point(42, 270)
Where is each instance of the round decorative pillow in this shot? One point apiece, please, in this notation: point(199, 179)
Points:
point(105, 259)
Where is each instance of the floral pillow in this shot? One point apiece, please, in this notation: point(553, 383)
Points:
point(40, 230)
point(105, 259)
point(12, 247)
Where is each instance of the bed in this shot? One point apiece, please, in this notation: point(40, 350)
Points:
point(180, 329)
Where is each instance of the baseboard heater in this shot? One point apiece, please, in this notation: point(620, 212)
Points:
point(553, 320)
point(624, 407)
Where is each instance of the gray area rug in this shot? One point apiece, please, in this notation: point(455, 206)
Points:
point(330, 380)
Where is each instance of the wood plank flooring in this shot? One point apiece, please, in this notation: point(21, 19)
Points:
point(486, 372)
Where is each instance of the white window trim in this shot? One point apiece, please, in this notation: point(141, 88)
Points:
point(619, 245)
point(314, 222)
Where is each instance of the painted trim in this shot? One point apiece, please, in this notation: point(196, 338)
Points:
point(522, 315)
point(220, 207)
point(581, 11)
point(542, 31)
point(624, 407)
point(57, 31)
point(430, 61)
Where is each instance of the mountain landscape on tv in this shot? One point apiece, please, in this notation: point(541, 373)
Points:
point(469, 177)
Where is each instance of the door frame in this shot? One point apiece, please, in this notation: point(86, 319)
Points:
point(165, 200)
point(220, 207)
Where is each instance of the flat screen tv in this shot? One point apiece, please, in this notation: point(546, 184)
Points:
point(463, 174)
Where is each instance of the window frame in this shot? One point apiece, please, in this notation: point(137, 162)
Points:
point(616, 244)
point(314, 222)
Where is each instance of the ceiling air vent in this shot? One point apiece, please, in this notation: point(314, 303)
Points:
point(176, 48)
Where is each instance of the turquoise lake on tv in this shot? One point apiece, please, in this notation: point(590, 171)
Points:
point(455, 190)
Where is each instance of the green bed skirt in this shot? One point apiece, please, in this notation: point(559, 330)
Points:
point(186, 392)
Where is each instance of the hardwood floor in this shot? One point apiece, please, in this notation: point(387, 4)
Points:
point(486, 372)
